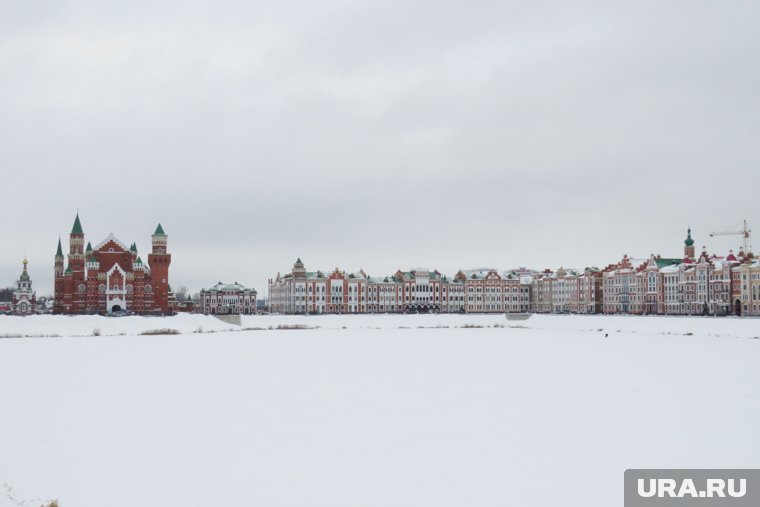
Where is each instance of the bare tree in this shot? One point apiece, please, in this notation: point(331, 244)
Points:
point(6, 293)
point(10, 494)
point(181, 293)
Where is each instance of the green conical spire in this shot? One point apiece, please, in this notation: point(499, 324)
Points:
point(77, 229)
point(159, 231)
point(133, 248)
point(89, 247)
point(689, 241)
point(59, 252)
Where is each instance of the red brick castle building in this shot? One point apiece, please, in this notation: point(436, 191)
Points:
point(112, 277)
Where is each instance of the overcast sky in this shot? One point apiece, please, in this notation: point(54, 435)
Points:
point(376, 135)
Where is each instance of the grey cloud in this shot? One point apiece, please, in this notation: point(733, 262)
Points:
point(376, 134)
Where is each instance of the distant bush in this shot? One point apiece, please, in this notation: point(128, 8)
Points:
point(96, 332)
point(32, 335)
point(163, 331)
point(293, 326)
point(472, 326)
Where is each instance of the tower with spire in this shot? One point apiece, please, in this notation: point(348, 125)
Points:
point(159, 261)
point(74, 275)
point(24, 297)
point(58, 280)
point(688, 249)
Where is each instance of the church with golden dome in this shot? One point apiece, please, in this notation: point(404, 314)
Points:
point(24, 297)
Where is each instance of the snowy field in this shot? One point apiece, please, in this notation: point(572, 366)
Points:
point(356, 411)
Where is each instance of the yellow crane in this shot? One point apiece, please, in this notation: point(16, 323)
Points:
point(746, 232)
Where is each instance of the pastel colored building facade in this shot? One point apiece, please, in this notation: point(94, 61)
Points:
point(228, 299)
point(704, 284)
point(746, 288)
point(689, 285)
point(302, 291)
point(488, 291)
point(417, 290)
point(567, 291)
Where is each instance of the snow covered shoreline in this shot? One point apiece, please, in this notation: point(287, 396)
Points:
point(49, 326)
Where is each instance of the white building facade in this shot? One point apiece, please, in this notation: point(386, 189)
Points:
point(228, 299)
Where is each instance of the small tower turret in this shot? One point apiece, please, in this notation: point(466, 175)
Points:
point(59, 260)
point(688, 249)
point(298, 269)
point(24, 281)
point(76, 238)
point(58, 279)
point(159, 240)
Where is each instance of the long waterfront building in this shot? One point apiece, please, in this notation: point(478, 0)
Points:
point(416, 290)
point(684, 285)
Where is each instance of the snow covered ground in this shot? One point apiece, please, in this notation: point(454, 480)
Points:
point(418, 410)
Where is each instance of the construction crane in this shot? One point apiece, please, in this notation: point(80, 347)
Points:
point(746, 232)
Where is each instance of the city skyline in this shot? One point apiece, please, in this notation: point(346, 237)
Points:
point(283, 265)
